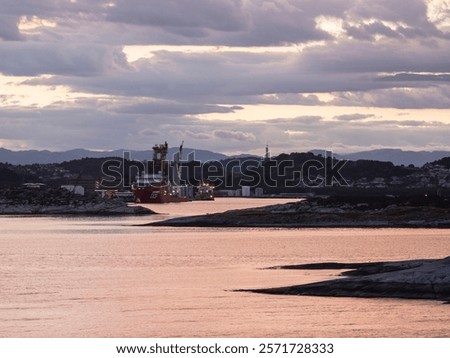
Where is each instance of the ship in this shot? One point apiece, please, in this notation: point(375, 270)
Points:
point(157, 187)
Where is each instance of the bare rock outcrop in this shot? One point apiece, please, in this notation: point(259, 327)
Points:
point(55, 201)
point(415, 279)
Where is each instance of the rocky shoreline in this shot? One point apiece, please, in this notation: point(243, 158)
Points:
point(100, 209)
point(415, 279)
point(410, 212)
point(61, 202)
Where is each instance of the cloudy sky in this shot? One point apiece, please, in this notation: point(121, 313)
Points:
point(225, 75)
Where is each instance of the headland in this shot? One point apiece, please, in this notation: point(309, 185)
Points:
point(355, 211)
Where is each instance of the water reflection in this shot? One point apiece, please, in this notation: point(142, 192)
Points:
point(104, 277)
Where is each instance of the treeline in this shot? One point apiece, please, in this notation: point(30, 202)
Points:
point(286, 173)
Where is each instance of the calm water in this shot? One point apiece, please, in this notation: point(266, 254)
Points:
point(102, 277)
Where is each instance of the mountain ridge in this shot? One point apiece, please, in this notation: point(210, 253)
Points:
point(48, 157)
point(399, 156)
point(396, 156)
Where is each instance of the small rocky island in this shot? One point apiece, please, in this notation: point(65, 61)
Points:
point(333, 211)
point(414, 279)
point(58, 201)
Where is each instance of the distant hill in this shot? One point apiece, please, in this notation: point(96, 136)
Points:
point(47, 157)
point(396, 156)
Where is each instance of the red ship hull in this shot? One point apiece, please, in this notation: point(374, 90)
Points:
point(156, 195)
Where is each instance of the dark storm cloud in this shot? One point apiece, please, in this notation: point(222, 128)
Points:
point(223, 78)
point(411, 123)
point(416, 77)
point(391, 10)
point(171, 14)
point(237, 22)
point(234, 135)
point(365, 57)
point(8, 28)
point(164, 107)
point(401, 98)
point(301, 120)
point(51, 8)
point(147, 132)
point(232, 22)
point(32, 58)
point(194, 79)
point(191, 135)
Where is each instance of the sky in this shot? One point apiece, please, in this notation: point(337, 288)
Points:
point(225, 75)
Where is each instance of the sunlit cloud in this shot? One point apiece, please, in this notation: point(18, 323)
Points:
point(23, 95)
point(28, 24)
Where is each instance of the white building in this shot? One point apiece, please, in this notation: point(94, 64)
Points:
point(246, 191)
point(76, 189)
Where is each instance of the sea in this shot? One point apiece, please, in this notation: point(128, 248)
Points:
point(110, 277)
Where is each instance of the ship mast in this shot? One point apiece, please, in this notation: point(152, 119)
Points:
point(177, 166)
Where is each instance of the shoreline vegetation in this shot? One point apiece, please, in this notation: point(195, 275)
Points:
point(413, 279)
point(62, 202)
point(334, 211)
